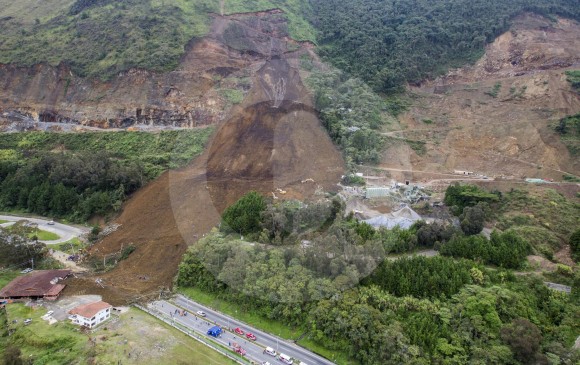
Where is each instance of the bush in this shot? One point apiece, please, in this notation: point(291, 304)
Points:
point(352, 179)
point(431, 277)
point(524, 338)
point(244, 216)
point(504, 249)
point(472, 220)
point(573, 77)
point(575, 244)
point(429, 234)
point(564, 270)
point(127, 251)
point(467, 195)
point(12, 356)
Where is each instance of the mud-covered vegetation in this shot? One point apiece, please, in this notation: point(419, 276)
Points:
point(573, 78)
point(326, 276)
point(76, 176)
point(296, 11)
point(569, 130)
point(388, 43)
point(575, 245)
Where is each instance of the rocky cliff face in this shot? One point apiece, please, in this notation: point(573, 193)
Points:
point(213, 75)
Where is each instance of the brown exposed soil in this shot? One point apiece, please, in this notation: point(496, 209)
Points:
point(188, 97)
point(465, 125)
point(272, 140)
point(541, 264)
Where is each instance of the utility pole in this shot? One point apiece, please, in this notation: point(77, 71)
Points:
point(32, 262)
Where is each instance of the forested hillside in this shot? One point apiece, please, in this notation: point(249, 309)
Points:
point(350, 303)
point(76, 176)
point(388, 43)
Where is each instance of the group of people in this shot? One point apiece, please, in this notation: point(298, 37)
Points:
point(181, 312)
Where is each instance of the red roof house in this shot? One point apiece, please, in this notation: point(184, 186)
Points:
point(41, 284)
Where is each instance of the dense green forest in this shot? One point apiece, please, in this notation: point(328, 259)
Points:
point(388, 43)
point(346, 297)
point(76, 176)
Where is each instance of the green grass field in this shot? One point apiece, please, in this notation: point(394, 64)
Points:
point(70, 247)
point(44, 235)
point(136, 338)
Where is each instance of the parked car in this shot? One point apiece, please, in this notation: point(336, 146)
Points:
point(251, 336)
point(26, 271)
point(49, 313)
point(27, 321)
point(265, 363)
point(270, 351)
point(239, 331)
point(201, 313)
point(50, 223)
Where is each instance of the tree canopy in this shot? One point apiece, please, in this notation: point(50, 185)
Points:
point(244, 215)
point(388, 43)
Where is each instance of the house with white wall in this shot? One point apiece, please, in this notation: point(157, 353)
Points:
point(91, 315)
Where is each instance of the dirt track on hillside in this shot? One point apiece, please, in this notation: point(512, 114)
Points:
point(273, 140)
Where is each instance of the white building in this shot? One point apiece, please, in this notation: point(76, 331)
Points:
point(91, 315)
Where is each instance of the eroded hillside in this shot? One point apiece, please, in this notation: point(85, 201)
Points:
point(214, 74)
point(497, 118)
point(271, 142)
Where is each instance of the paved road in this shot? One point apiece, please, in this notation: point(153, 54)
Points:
point(65, 232)
point(254, 349)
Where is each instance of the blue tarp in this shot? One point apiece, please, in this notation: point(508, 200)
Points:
point(214, 331)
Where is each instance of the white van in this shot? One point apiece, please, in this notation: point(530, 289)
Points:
point(285, 359)
point(270, 351)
